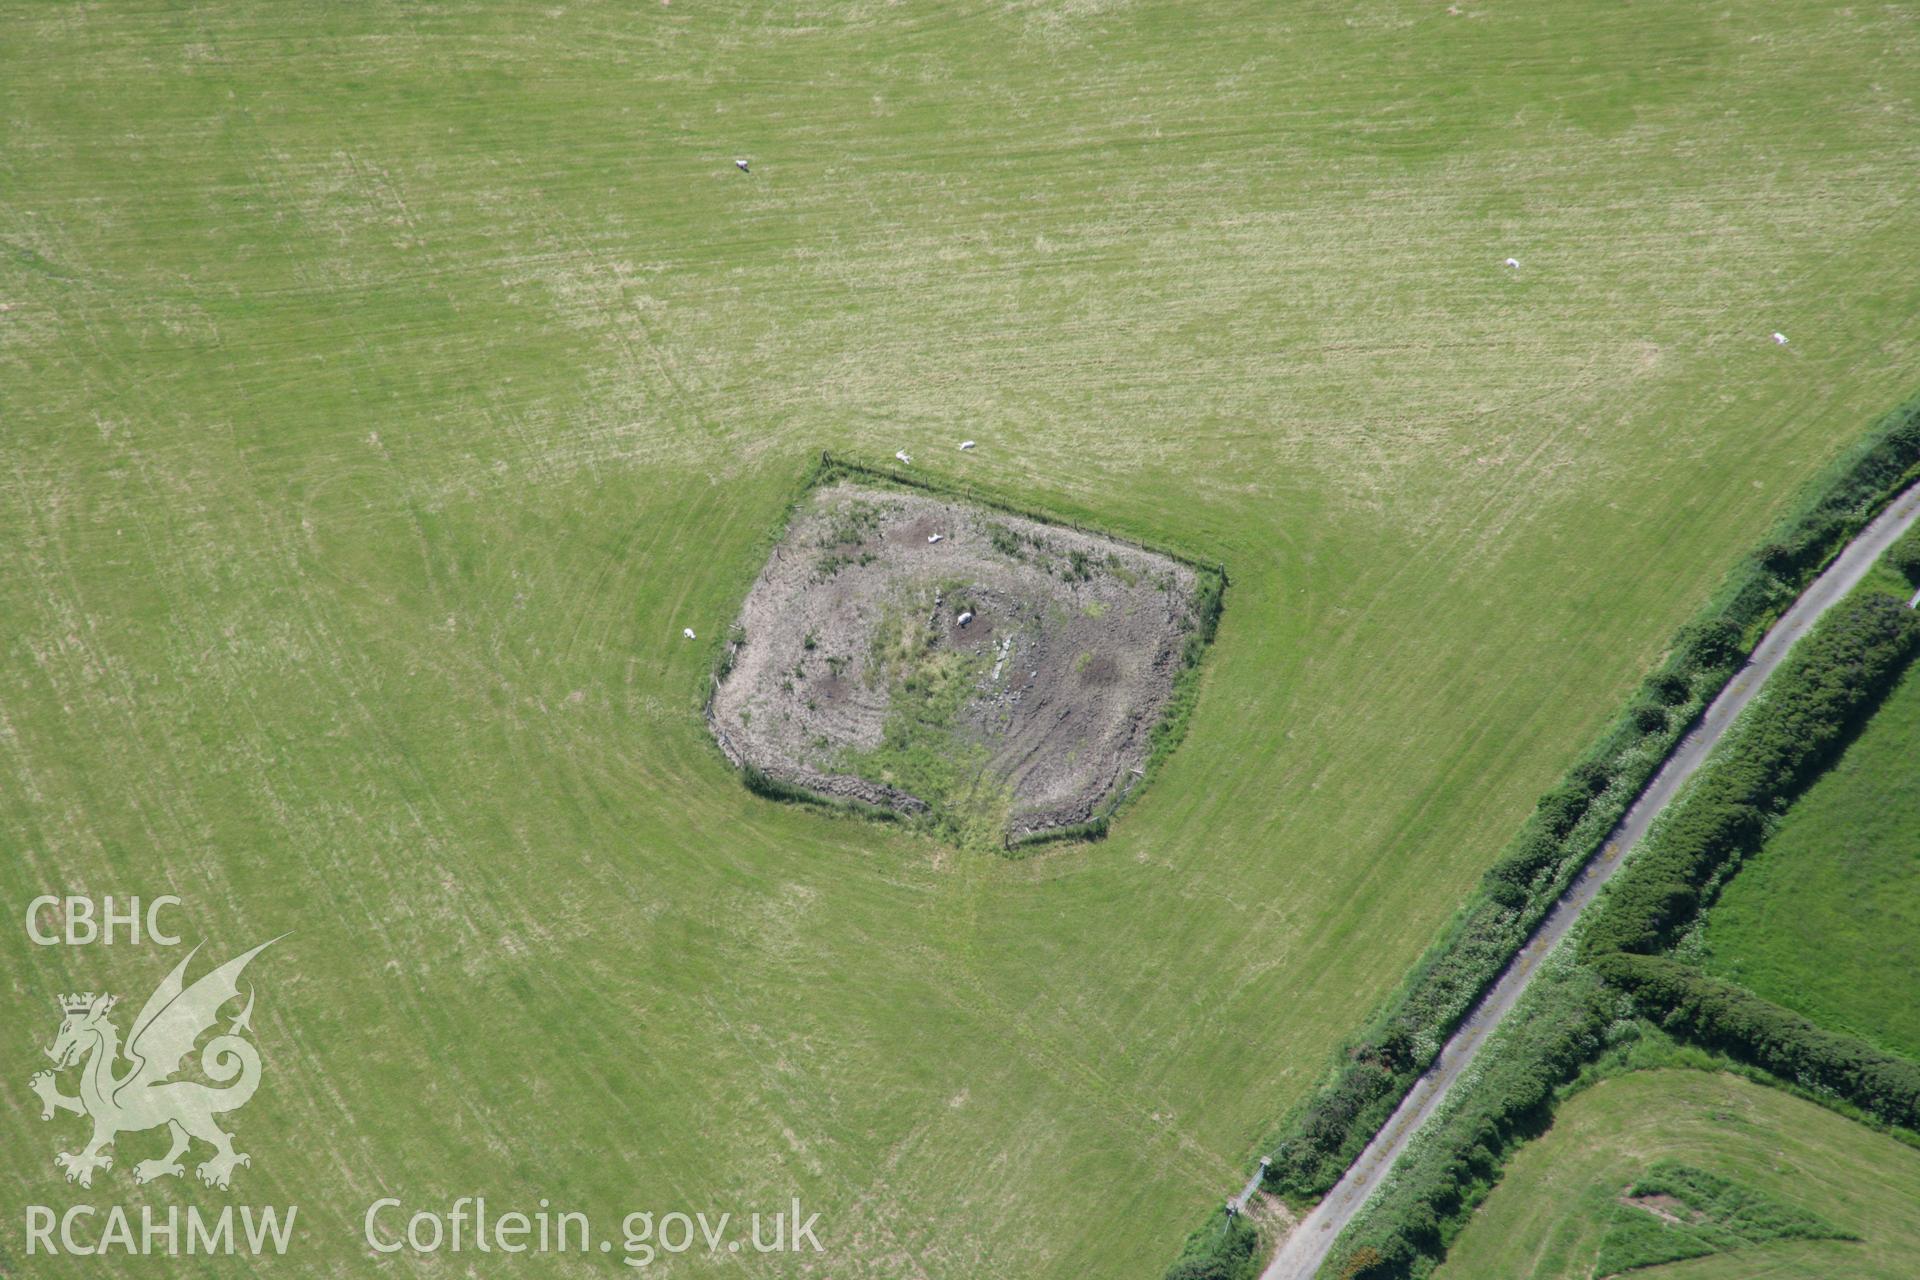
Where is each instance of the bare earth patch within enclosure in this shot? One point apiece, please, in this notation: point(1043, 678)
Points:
point(932, 656)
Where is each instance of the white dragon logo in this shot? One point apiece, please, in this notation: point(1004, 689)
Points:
point(142, 1097)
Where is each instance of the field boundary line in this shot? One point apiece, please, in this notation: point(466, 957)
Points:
point(1305, 1248)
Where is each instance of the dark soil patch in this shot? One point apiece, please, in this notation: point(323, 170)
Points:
point(1666, 1208)
point(1099, 671)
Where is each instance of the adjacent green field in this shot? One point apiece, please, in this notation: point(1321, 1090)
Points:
point(1552, 1211)
point(1826, 918)
point(383, 389)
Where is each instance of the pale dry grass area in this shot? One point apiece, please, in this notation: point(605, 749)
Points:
point(383, 390)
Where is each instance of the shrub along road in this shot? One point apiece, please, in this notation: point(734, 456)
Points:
point(1307, 1246)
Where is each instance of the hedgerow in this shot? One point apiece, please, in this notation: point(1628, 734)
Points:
point(1904, 556)
point(1832, 680)
point(1327, 1131)
point(1224, 1249)
point(1565, 829)
point(1735, 1021)
point(1505, 1098)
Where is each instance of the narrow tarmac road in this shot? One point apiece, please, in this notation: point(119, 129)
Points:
point(1307, 1246)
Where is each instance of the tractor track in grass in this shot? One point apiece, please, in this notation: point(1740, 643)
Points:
point(1306, 1247)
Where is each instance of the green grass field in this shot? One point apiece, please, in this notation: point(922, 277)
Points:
point(382, 390)
point(1826, 918)
point(1548, 1217)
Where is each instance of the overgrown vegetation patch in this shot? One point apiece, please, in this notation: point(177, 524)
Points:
point(994, 675)
point(1674, 1212)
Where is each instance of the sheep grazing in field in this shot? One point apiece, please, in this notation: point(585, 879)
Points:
point(904, 457)
point(1514, 263)
point(1780, 339)
point(965, 445)
point(934, 537)
point(964, 618)
point(687, 632)
point(741, 165)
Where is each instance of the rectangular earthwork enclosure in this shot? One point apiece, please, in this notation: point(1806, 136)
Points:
point(924, 653)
